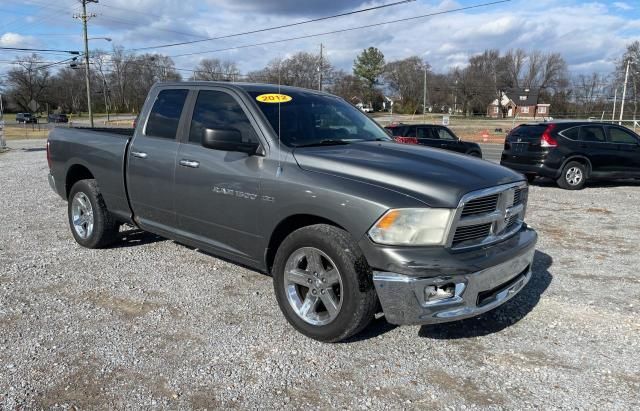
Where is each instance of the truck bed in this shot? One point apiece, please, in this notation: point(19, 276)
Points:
point(101, 150)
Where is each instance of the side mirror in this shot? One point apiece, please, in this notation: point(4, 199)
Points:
point(227, 140)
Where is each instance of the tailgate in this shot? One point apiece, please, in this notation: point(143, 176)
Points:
point(524, 142)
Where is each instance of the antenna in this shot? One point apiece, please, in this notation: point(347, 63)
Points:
point(279, 170)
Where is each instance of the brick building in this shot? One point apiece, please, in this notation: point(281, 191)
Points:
point(523, 103)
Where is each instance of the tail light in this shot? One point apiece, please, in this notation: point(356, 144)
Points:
point(49, 153)
point(546, 140)
point(406, 140)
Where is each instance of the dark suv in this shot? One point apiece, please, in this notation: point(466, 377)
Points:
point(572, 152)
point(57, 118)
point(433, 136)
point(26, 118)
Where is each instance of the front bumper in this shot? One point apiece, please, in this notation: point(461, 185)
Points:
point(505, 271)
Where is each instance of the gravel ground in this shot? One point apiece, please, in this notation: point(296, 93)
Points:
point(153, 324)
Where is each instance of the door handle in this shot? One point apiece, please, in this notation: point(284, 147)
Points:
point(139, 154)
point(189, 163)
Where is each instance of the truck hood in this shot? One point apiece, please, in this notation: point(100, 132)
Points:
point(436, 177)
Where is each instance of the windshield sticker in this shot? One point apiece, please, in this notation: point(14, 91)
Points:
point(274, 98)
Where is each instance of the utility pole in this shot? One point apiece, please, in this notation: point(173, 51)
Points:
point(455, 99)
point(85, 17)
point(424, 93)
point(3, 142)
point(105, 91)
point(624, 92)
point(615, 97)
point(320, 69)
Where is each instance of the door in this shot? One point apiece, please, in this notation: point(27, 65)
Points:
point(426, 137)
point(218, 200)
point(151, 163)
point(602, 154)
point(628, 149)
point(438, 137)
point(448, 140)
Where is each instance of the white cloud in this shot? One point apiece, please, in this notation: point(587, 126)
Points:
point(622, 5)
point(16, 40)
point(590, 35)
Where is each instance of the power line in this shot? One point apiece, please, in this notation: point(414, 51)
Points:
point(347, 29)
point(349, 13)
point(39, 50)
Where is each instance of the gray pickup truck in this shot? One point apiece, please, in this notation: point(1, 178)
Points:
point(303, 186)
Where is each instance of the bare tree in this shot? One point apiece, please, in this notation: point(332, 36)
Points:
point(514, 62)
point(28, 81)
point(299, 70)
point(632, 56)
point(590, 90)
point(216, 70)
point(349, 87)
point(406, 78)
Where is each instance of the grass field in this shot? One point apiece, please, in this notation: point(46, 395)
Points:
point(24, 133)
point(468, 128)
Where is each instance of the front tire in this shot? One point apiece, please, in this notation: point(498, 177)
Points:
point(323, 283)
point(92, 225)
point(573, 176)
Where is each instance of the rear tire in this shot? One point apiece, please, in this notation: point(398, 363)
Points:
point(92, 225)
point(573, 176)
point(531, 178)
point(475, 154)
point(323, 283)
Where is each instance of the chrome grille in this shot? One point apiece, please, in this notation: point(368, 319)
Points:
point(471, 232)
point(517, 196)
point(488, 216)
point(481, 205)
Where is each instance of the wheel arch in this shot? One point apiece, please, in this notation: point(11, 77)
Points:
point(580, 159)
point(76, 173)
point(286, 227)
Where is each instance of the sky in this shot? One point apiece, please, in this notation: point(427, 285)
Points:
point(590, 35)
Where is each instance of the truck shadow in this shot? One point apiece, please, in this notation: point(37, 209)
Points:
point(135, 237)
point(502, 317)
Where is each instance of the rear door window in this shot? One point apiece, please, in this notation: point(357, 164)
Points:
point(621, 136)
point(572, 133)
point(411, 131)
point(219, 110)
point(444, 134)
point(165, 114)
point(593, 134)
point(426, 132)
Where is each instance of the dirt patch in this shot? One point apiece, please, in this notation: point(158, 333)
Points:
point(606, 279)
point(464, 388)
point(125, 307)
point(205, 400)
point(574, 238)
point(535, 359)
point(599, 211)
point(85, 388)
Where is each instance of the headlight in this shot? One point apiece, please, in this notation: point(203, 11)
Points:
point(412, 226)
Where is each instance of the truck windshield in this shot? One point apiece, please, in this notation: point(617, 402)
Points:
point(310, 119)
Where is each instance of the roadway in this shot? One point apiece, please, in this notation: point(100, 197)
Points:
point(491, 152)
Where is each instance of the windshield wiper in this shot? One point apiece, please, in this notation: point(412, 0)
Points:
point(326, 142)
